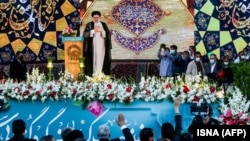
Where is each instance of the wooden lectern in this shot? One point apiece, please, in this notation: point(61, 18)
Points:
point(73, 50)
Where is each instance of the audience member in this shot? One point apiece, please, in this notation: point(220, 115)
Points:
point(146, 134)
point(195, 67)
point(48, 138)
point(18, 68)
point(212, 68)
point(167, 130)
point(65, 132)
point(186, 137)
point(192, 52)
point(18, 129)
point(176, 60)
point(185, 59)
point(73, 135)
point(104, 131)
point(166, 61)
point(227, 77)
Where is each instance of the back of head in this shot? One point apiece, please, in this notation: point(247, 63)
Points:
point(103, 132)
point(186, 137)
point(65, 132)
point(146, 133)
point(167, 130)
point(48, 138)
point(18, 127)
point(73, 135)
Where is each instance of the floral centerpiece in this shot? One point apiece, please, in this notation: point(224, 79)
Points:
point(235, 109)
point(68, 32)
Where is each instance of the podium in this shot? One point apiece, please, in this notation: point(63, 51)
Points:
point(73, 50)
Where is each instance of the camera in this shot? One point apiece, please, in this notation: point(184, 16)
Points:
point(198, 109)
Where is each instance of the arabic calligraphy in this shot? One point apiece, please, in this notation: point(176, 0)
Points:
point(27, 17)
point(233, 13)
point(52, 117)
point(137, 16)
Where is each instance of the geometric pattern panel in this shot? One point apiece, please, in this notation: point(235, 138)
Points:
point(226, 25)
point(34, 27)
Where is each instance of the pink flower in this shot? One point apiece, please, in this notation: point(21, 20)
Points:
point(95, 108)
point(228, 113)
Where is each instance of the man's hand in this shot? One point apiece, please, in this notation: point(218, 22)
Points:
point(120, 121)
point(177, 103)
point(98, 29)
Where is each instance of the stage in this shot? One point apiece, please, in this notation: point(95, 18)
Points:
point(119, 68)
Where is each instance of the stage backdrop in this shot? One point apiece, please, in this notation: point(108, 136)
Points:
point(140, 26)
point(222, 26)
point(35, 27)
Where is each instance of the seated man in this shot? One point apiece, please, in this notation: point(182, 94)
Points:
point(18, 129)
point(167, 130)
point(104, 132)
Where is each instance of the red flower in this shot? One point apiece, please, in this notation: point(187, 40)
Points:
point(74, 91)
point(17, 89)
point(168, 86)
point(26, 92)
point(220, 74)
point(88, 87)
point(111, 97)
point(212, 89)
point(109, 86)
point(185, 89)
point(37, 93)
point(49, 87)
point(29, 86)
point(196, 99)
point(127, 100)
point(53, 94)
point(128, 89)
point(148, 92)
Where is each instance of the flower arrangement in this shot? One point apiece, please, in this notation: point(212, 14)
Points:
point(68, 32)
point(192, 89)
point(235, 109)
point(35, 76)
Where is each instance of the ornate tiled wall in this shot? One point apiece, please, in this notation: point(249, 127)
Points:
point(222, 26)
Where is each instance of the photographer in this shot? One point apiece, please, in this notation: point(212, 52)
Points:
point(204, 116)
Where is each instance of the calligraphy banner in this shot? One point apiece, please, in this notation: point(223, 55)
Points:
point(52, 117)
point(34, 27)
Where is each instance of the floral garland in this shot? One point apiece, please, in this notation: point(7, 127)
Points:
point(192, 89)
point(99, 88)
point(235, 109)
point(105, 88)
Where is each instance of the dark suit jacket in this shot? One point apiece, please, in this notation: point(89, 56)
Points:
point(127, 134)
point(20, 138)
point(213, 75)
point(178, 129)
